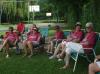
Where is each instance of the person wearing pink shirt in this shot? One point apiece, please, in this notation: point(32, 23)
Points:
point(75, 36)
point(33, 38)
point(59, 35)
point(9, 40)
point(88, 42)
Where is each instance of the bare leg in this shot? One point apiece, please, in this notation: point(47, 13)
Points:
point(25, 48)
point(4, 43)
point(62, 46)
point(30, 46)
point(51, 47)
point(62, 53)
point(7, 50)
point(66, 59)
point(57, 50)
point(93, 68)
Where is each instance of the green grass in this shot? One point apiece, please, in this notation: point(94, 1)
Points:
point(38, 64)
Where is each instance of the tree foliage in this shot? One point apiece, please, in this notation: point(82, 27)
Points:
point(78, 10)
point(69, 10)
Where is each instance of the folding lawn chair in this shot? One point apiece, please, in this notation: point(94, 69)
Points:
point(66, 33)
point(44, 34)
point(75, 55)
point(44, 31)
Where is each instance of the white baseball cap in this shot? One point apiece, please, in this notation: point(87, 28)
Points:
point(89, 24)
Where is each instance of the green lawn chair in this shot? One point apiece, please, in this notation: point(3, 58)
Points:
point(98, 73)
point(66, 33)
point(75, 55)
point(44, 31)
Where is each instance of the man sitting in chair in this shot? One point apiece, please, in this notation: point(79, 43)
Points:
point(75, 36)
point(88, 42)
point(95, 67)
point(33, 38)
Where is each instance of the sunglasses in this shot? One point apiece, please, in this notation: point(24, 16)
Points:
point(87, 27)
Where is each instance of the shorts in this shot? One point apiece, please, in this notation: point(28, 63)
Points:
point(98, 63)
point(35, 43)
point(56, 42)
point(74, 47)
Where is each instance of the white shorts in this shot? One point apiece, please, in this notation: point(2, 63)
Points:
point(98, 63)
point(35, 42)
point(73, 47)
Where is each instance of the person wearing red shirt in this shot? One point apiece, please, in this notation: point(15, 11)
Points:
point(59, 35)
point(88, 42)
point(33, 38)
point(10, 39)
point(75, 36)
point(21, 27)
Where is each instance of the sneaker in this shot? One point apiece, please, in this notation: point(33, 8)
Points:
point(52, 57)
point(30, 55)
point(59, 60)
point(58, 56)
point(1, 50)
point(7, 56)
point(24, 55)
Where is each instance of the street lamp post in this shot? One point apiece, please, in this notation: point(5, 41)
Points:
point(33, 9)
point(49, 14)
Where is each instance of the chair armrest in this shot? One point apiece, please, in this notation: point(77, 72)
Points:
point(88, 48)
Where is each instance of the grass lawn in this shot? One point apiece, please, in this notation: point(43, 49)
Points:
point(38, 64)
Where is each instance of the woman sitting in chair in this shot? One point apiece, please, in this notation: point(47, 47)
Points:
point(75, 36)
point(33, 38)
point(59, 35)
point(10, 40)
point(88, 42)
point(95, 67)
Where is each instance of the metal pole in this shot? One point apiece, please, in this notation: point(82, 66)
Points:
point(1, 11)
point(28, 13)
point(33, 15)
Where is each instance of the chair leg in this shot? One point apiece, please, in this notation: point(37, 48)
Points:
point(94, 53)
point(74, 66)
point(56, 45)
point(75, 62)
point(88, 59)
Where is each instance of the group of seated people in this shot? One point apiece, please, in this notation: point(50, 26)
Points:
point(59, 46)
point(76, 41)
point(12, 38)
